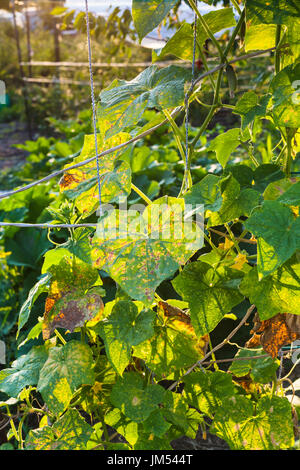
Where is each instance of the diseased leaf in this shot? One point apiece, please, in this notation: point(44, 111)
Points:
point(134, 399)
point(268, 427)
point(73, 297)
point(66, 368)
point(174, 345)
point(274, 333)
point(278, 292)
point(24, 371)
point(142, 250)
point(211, 293)
point(206, 390)
point(81, 184)
point(123, 103)
point(70, 432)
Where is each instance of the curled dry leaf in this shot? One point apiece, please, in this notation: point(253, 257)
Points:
point(182, 322)
point(272, 334)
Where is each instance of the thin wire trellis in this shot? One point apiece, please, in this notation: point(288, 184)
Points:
point(93, 99)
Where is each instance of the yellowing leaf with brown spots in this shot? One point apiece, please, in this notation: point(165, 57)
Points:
point(72, 299)
point(272, 334)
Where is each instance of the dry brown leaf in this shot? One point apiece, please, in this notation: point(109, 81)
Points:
point(272, 334)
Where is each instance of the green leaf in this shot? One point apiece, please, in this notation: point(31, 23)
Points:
point(24, 371)
point(156, 424)
point(122, 105)
point(66, 368)
point(206, 390)
point(142, 250)
point(206, 192)
point(70, 432)
point(261, 36)
point(272, 12)
point(285, 106)
point(147, 14)
point(211, 293)
point(236, 202)
point(81, 184)
point(135, 400)
point(128, 325)
point(41, 286)
point(224, 144)
point(262, 370)
point(276, 189)
point(123, 425)
point(27, 248)
point(278, 232)
point(278, 292)
point(291, 196)
point(250, 106)
point(268, 427)
point(181, 43)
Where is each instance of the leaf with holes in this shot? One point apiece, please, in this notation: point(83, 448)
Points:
point(66, 368)
point(139, 251)
point(123, 103)
point(81, 184)
point(211, 293)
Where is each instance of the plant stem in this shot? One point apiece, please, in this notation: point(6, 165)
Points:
point(236, 5)
point(277, 52)
point(60, 337)
point(177, 133)
point(207, 29)
point(141, 194)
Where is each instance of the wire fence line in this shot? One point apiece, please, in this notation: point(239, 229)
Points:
point(174, 113)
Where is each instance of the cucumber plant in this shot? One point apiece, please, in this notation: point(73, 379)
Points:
point(112, 354)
